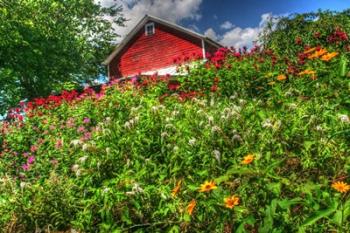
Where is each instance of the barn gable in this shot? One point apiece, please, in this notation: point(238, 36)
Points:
point(151, 46)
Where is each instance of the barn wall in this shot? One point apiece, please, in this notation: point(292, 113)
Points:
point(145, 53)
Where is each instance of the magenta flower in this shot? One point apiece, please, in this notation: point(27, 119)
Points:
point(31, 159)
point(25, 167)
point(86, 120)
point(87, 136)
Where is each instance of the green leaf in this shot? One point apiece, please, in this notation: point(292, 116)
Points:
point(319, 215)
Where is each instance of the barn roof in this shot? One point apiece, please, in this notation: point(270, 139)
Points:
point(142, 23)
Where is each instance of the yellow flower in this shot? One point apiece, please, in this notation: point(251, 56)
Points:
point(207, 186)
point(318, 53)
point(176, 189)
point(231, 202)
point(271, 83)
point(328, 56)
point(341, 186)
point(248, 159)
point(191, 206)
point(281, 77)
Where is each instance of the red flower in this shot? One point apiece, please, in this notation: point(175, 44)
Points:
point(298, 40)
point(214, 88)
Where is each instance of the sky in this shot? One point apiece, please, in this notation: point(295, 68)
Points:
point(230, 22)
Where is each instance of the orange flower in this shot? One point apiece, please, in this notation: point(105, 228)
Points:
point(341, 186)
point(231, 202)
point(318, 53)
point(309, 50)
point(176, 189)
point(328, 56)
point(281, 77)
point(208, 186)
point(191, 206)
point(309, 72)
point(248, 159)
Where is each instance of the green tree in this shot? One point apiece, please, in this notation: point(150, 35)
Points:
point(46, 43)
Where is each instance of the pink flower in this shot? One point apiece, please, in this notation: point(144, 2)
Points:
point(33, 148)
point(59, 144)
point(31, 160)
point(81, 129)
point(86, 120)
point(25, 167)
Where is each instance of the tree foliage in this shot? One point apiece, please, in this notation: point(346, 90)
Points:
point(46, 43)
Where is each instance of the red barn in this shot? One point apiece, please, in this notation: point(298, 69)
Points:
point(151, 46)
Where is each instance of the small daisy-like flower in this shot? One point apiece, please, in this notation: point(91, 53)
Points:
point(191, 206)
point(341, 187)
point(175, 191)
point(231, 201)
point(248, 159)
point(208, 186)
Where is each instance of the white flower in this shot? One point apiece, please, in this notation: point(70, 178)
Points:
point(83, 159)
point(167, 126)
point(22, 185)
point(106, 190)
point(137, 189)
point(277, 124)
point(210, 119)
point(108, 150)
point(212, 102)
point(192, 142)
point(85, 147)
point(176, 148)
point(175, 113)
point(215, 129)
point(232, 97)
point(78, 172)
point(75, 142)
point(164, 134)
point(344, 118)
point(136, 119)
point(267, 124)
point(319, 128)
point(154, 109)
point(217, 155)
point(75, 167)
point(236, 137)
point(293, 106)
point(127, 125)
point(242, 102)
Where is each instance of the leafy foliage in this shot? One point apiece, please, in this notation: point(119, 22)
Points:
point(44, 44)
point(249, 141)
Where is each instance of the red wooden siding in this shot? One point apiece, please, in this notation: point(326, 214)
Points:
point(146, 53)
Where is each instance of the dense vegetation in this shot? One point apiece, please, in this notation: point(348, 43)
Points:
point(250, 141)
point(49, 45)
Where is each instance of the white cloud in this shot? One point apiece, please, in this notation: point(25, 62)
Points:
point(171, 10)
point(239, 37)
point(227, 25)
point(211, 34)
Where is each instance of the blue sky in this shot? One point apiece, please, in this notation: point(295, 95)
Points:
point(230, 22)
point(247, 13)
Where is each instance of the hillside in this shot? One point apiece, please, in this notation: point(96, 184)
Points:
point(250, 141)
